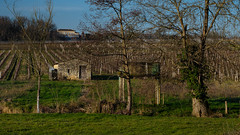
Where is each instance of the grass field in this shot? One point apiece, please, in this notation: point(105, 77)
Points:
point(174, 117)
point(21, 96)
point(114, 124)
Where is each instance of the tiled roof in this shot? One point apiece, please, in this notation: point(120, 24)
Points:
point(66, 30)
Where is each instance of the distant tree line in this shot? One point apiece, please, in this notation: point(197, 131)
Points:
point(101, 34)
point(11, 29)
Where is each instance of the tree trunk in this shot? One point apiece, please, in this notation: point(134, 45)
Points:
point(28, 68)
point(200, 108)
point(38, 94)
point(126, 62)
point(157, 91)
point(121, 89)
point(129, 102)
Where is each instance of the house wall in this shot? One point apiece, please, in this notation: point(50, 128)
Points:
point(70, 33)
point(143, 68)
point(70, 70)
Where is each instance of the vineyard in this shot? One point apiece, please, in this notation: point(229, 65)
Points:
point(19, 72)
point(17, 62)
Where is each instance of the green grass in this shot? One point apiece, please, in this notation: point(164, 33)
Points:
point(113, 124)
point(218, 105)
point(104, 89)
point(171, 118)
point(22, 73)
point(51, 92)
point(65, 92)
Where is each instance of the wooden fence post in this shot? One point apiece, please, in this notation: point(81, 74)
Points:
point(226, 109)
point(146, 68)
point(101, 66)
point(123, 89)
point(163, 98)
point(236, 76)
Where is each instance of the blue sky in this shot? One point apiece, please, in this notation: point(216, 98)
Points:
point(67, 13)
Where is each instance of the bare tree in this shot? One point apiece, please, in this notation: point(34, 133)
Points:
point(35, 42)
point(193, 21)
point(120, 25)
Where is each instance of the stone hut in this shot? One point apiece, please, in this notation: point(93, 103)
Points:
point(72, 70)
point(141, 69)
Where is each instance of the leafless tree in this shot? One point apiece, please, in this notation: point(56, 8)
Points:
point(35, 42)
point(119, 22)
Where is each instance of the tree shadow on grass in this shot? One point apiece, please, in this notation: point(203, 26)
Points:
point(104, 77)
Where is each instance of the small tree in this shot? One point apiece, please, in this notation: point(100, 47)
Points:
point(35, 40)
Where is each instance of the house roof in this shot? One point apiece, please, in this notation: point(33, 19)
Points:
point(65, 30)
point(74, 60)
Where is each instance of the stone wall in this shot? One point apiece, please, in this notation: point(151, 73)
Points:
point(74, 70)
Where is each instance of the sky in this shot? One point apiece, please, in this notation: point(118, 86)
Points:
point(66, 13)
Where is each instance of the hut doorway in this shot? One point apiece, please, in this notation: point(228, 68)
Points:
point(82, 72)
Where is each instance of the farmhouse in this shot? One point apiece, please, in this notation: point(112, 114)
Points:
point(71, 70)
point(68, 34)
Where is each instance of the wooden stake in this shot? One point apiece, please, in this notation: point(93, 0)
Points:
point(146, 68)
point(101, 65)
point(236, 76)
point(123, 89)
point(226, 109)
point(163, 99)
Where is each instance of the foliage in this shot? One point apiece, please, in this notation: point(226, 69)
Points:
point(192, 68)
